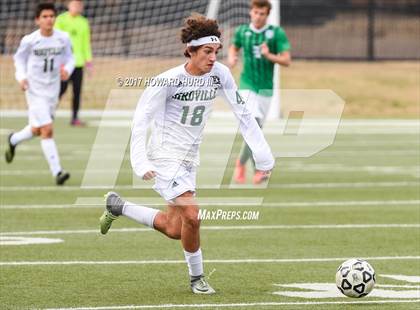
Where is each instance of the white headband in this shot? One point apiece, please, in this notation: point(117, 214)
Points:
point(204, 40)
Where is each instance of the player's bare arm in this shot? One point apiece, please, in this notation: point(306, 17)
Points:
point(233, 56)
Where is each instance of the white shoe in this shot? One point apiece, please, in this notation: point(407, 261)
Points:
point(201, 286)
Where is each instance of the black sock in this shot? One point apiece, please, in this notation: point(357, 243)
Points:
point(195, 278)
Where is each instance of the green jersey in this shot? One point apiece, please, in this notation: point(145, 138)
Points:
point(258, 71)
point(78, 29)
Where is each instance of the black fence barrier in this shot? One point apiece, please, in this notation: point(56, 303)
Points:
point(318, 29)
point(353, 29)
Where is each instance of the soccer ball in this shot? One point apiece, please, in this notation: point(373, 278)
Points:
point(355, 278)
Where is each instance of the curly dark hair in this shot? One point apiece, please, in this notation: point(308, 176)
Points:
point(44, 6)
point(197, 26)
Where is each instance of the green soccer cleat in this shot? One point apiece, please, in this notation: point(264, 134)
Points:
point(201, 286)
point(105, 221)
point(114, 206)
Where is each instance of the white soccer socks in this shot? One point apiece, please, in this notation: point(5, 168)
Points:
point(140, 214)
point(20, 136)
point(195, 263)
point(51, 155)
point(146, 216)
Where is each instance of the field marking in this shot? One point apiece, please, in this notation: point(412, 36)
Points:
point(407, 143)
point(232, 227)
point(339, 168)
point(397, 286)
point(329, 290)
point(309, 285)
point(293, 168)
point(337, 185)
point(325, 154)
point(251, 304)
point(222, 204)
point(8, 240)
point(342, 203)
point(222, 115)
point(328, 152)
point(212, 186)
point(208, 261)
point(411, 279)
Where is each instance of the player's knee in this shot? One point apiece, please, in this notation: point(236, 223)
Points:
point(46, 132)
point(35, 131)
point(173, 232)
point(190, 217)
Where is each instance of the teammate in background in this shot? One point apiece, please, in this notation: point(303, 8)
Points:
point(178, 114)
point(263, 46)
point(77, 26)
point(43, 57)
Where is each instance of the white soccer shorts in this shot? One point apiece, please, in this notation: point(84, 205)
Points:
point(174, 178)
point(257, 104)
point(41, 108)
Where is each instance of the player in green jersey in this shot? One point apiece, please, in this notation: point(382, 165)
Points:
point(263, 46)
point(77, 26)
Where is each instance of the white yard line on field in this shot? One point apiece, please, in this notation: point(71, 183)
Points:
point(127, 115)
point(408, 143)
point(299, 168)
point(75, 156)
point(245, 304)
point(410, 279)
point(227, 203)
point(212, 186)
point(214, 227)
point(397, 286)
point(208, 261)
point(338, 185)
point(222, 129)
point(222, 115)
point(343, 203)
point(288, 167)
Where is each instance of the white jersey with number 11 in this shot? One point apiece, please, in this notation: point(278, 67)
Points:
point(39, 59)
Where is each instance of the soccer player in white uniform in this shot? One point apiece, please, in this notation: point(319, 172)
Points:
point(42, 59)
point(178, 113)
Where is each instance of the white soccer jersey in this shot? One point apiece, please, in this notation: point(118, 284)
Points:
point(39, 59)
point(179, 111)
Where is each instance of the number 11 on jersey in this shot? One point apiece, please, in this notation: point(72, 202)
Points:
point(51, 64)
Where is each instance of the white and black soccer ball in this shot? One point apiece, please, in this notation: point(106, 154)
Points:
point(355, 278)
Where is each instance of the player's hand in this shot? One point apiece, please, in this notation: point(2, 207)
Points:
point(264, 49)
point(89, 68)
point(64, 75)
point(149, 175)
point(24, 85)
